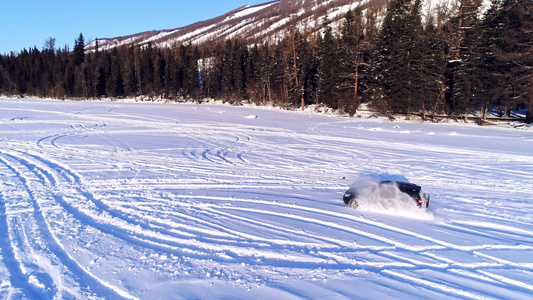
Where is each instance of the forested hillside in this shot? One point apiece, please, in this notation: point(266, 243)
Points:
point(450, 62)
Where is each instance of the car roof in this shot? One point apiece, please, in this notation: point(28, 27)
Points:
point(404, 186)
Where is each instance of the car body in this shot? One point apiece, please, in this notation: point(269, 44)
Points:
point(414, 191)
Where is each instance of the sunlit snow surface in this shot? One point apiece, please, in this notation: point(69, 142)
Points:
point(107, 200)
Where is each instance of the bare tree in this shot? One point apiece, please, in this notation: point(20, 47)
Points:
point(50, 44)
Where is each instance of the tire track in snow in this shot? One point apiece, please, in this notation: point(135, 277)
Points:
point(288, 162)
point(445, 289)
point(322, 212)
point(18, 279)
point(146, 237)
point(100, 211)
point(77, 130)
point(83, 277)
point(396, 251)
point(322, 255)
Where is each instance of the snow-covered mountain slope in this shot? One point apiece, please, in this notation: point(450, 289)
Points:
point(108, 200)
point(264, 22)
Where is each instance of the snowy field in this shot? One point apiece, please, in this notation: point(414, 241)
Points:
point(108, 200)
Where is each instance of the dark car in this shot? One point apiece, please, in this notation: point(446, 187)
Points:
point(414, 191)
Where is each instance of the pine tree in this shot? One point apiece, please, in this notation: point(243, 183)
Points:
point(352, 53)
point(300, 60)
point(48, 80)
point(115, 83)
point(79, 50)
point(266, 74)
point(430, 68)
point(241, 60)
point(395, 58)
point(253, 75)
point(509, 27)
point(327, 73)
point(129, 71)
point(168, 73)
point(211, 71)
point(464, 68)
point(147, 70)
point(279, 75)
point(99, 68)
point(159, 73)
point(192, 86)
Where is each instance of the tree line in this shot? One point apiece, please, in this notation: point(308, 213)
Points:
point(451, 63)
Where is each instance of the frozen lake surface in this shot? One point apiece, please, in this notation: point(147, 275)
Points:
point(108, 200)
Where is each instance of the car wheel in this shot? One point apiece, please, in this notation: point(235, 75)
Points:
point(348, 196)
point(353, 203)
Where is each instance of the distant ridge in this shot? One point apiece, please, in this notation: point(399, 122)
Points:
point(265, 22)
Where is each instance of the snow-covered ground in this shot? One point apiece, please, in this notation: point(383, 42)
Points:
point(107, 200)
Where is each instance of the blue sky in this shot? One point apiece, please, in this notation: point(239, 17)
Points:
point(28, 23)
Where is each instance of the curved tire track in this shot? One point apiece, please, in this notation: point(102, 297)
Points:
point(83, 278)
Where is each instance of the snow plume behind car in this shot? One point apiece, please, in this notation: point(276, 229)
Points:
point(376, 196)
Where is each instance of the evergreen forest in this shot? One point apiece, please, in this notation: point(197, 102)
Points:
point(449, 64)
